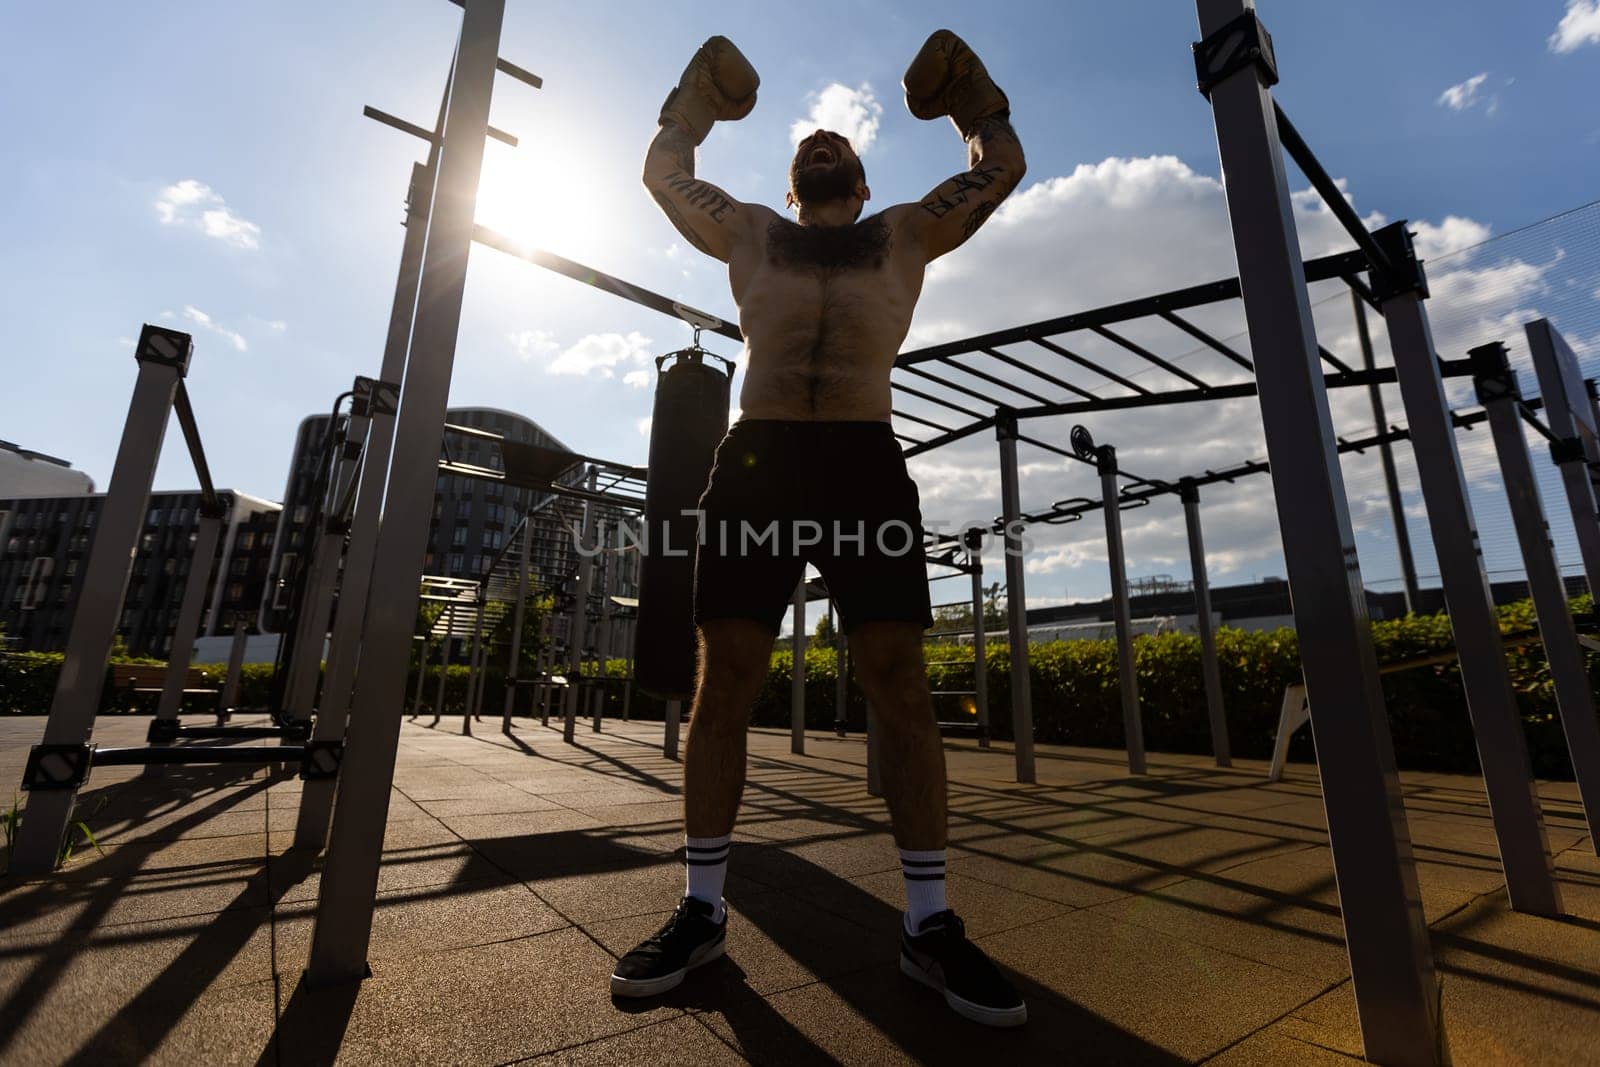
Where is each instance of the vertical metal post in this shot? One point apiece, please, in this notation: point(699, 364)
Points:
point(1016, 597)
point(841, 674)
point(579, 633)
point(475, 671)
point(229, 699)
point(603, 642)
point(1500, 396)
point(669, 742)
point(1121, 615)
point(980, 653)
point(518, 617)
point(797, 675)
point(207, 534)
point(422, 674)
point(1491, 699)
point(874, 770)
point(1391, 482)
point(1564, 405)
point(355, 844)
point(628, 637)
point(1216, 714)
point(163, 357)
point(444, 663)
point(1391, 963)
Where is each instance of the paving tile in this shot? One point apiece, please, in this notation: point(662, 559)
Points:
point(1273, 1048)
point(681, 1040)
point(878, 900)
point(118, 993)
point(416, 854)
point(1187, 998)
point(493, 1003)
point(415, 922)
point(1076, 876)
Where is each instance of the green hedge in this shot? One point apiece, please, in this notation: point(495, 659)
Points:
point(1075, 697)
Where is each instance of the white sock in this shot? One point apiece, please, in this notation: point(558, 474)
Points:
point(706, 860)
point(924, 871)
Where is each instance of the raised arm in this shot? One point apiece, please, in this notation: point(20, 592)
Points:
point(947, 78)
point(718, 83)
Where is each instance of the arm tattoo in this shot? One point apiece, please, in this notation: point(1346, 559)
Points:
point(679, 223)
point(700, 195)
point(992, 132)
point(956, 192)
point(678, 146)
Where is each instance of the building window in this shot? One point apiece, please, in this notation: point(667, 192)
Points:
point(463, 509)
point(455, 564)
point(458, 537)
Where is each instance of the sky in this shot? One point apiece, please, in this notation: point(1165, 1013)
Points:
point(207, 167)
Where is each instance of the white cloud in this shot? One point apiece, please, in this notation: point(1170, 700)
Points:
point(854, 113)
point(206, 322)
point(596, 353)
point(1578, 27)
point(643, 426)
point(195, 205)
point(1452, 235)
point(1465, 95)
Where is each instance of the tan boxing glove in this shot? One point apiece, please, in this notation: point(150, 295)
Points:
point(948, 78)
point(718, 83)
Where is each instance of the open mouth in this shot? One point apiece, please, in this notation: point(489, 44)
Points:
point(821, 154)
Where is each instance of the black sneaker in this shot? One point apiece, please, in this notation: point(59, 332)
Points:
point(940, 957)
point(689, 939)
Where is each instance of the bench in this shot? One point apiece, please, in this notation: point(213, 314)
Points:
point(143, 679)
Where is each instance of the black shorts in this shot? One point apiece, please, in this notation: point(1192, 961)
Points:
point(832, 494)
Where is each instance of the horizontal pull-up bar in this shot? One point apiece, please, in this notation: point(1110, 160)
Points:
point(700, 320)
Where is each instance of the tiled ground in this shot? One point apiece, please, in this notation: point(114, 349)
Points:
point(1186, 915)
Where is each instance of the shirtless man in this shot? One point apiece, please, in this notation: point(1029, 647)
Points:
point(824, 303)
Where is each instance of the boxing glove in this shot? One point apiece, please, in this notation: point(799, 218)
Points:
point(718, 83)
point(948, 78)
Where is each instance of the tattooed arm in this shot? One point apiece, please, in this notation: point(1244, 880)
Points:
point(954, 210)
point(708, 218)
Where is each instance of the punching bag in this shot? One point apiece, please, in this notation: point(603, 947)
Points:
point(686, 425)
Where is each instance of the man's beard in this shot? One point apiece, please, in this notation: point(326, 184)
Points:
point(818, 185)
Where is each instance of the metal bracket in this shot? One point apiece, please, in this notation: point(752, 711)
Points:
point(1492, 375)
point(171, 348)
point(1244, 42)
point(57, 767)
point(296, 729)
point(1005, 424)
point(321, 760)
point(162, 731)
point(385, 398)
point(1567, 450)
point(1404, 273)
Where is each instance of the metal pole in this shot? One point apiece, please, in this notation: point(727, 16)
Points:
point(1500, 397)
point(1397, 997)
point(874, 769)
point(380, 400)
point(608, 589)
point(669, 743)
point(1491, 699)
point(187, 628)
point(841, 674)
point(797, 675)
point(207, 534)
point(444, 663)
point(1189, 493)
point(163, 357)
point(518, 616)
point(580, 621)
point(476, 665)
point(1563, 398)
point(1127, 666)
point(980, 654)
point(355, 844)
point(1397, 511)
point(230, 688)
point(1016, 598)
point(422, 674)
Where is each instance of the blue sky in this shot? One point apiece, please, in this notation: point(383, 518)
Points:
point(210, 162)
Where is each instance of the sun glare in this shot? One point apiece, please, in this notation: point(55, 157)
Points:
point(516, 199)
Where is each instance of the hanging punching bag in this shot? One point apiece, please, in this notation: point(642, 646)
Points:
point(687, 423)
